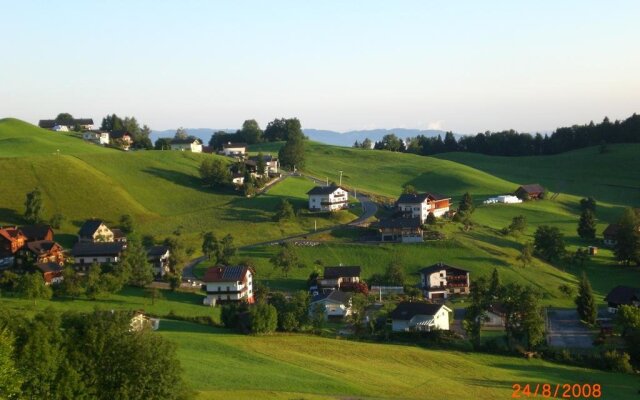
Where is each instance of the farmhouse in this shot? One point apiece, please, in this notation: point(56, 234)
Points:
point(98, 137)
point(420, 205)
point(621, 296)
point(123, 137)
point(51, 272)
point(610, 235)
point(228, 284)
point(272, 165)
point(11, 240)
point(234, 149)
point(405, 230)
point(37, 232)
point(336, 278)
point(44, 251)
point(158, 257)
point(328, 198)
point(193, 145)
point(336, 304)
point(532, 191)
point(83, 123)
point(419, 317)
point(95, 230)
point(87, 253)
point(440, 280)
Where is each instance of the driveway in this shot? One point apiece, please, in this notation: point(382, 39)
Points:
point(565, 330)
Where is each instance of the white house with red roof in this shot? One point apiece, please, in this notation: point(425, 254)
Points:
point(228, 284)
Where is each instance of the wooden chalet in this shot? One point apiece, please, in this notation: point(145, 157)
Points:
point(405, 230)
point(531, 191)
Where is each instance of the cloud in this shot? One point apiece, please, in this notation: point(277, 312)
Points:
point(435, 125)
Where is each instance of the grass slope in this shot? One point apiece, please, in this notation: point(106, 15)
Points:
point(221, 365)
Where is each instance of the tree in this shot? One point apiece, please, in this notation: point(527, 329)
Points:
point(518, 225)
point(261, 166)
point(142, 140)
point(136, 263)
point(264, 318)
point(450, 143)
point(250, 132)
point(366, 144)
point(93, 283)
point(33, 207)
point(177, 254)
point(359, 304)
point(286, 259)
point(585, 302)
point(465, 208)
point(33, 287)
point(65, 119)
point(227, 249)
point(318, 317)
point(495, 285)
point(409, 189)
point(154, 294)
point(181, 133)
point(627, 248)
point(71, 285)
point(431, 218)
point(588, 203)
point(56, 221)
point(162, 144)
point(210, 245)
point(284, 211)
point(390, 142)
point(214, 173)
point(126, 223)
point(523, 315)
point(587, 225)
point(526, 254)
point(476, 313)
point(549, 242)
point(394, 274)
point(291, 155)
point(10, 376)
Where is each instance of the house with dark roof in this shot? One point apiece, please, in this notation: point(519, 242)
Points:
point(405, 230)
point(225, 284)
point(234, 149)
point(11, 241)
point(158, 257)
point(87, 253)
point(271, 163)
point(95, 230)
point(440, 280)
point(419, 317)
point(622, 296)
point(419, 205)
point(51, 272)
point(43, 251)
point(52, 124)
point(191, 144)
point(531, 191)
point(335, 304)
point(328, 198)
point(336, 278)
point(610, 235)
point(37, 232)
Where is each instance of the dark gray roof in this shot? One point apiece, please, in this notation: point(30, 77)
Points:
point(48, 267)
point(338, 272)
point(440, 266)
point(399, 223)
point(225, 274)
point(35, 232)
point(157, 251)
point(97, 249)
point(119, 134)
point(185, 141)
point(407, 310)
point(324, 189)
point(532, 188)
point(621, 295)
point(50, 123)
point(420, 197)
point(337, 296)
point(41, 246)
point(611, 230)
point(265, 158)
point(233, 145)
point(90, 227)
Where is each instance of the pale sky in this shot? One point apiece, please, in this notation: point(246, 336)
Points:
point(341, 65)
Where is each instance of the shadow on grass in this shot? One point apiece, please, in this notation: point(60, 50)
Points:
point(177, 297)
point(170, 325)
point(10, 216)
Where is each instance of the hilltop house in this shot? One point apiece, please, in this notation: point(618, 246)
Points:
point(419, 317)
point(440, 280)
point(328, 198)
point(87, 253)
point(123, 138)
point(95, 230)
point(51, 272)
point(532, 191)
point(421, 204)
point(158, 257)
point(234, 149)
point(37, 232)
point(405, 230)
point(193, 145)
point(621, 296)
point(97, 137)
point(336, 278)
point(52, 124)
point(228, 284)
point(336, 304)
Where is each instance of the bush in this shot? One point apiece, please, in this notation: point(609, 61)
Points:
point(264, 318)
point(617, 361)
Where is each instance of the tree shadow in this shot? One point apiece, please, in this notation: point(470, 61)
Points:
point(186, 180)
point(11, 216)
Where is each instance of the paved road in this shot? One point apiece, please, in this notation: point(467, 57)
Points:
point(565, 330)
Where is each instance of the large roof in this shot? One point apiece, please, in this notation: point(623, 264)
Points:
point(11, 233)
point(324, 190)
point(157, 251)
point(50, 123)
point(439, 267)
point(532, 188)
point(90, 227)
point(399, 223)
point(265, 158)
point(225, 274)
point(336, 296)
point(48, 267)
point(341, 272)
point(97, 249)
point(418, 198)
point(233, 145)
point(185, 141)
point(623, 295)
point(42, 246)
point(611, 230)
point(407, 310)
point(36, 232)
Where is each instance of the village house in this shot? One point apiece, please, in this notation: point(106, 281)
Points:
point(610, 235)
point(335, 304)
point(228, 284)
point(336, 278)
point(193, 145)
point(51, 272)
point(97, 137)
point(87, 253)
point(140, 322)
point(405, 230)
point(440, 280)
point(419, 317)
point(328, 198)
point(52, 124)
point(532, 191)
point(43, 251)
point(95, 230)
point(234, 149)
point(158, 257)
point(11, 241)
point(272, 165)
point(622, 296)
point(37, 232)
point(122, 138)
point(419, 205)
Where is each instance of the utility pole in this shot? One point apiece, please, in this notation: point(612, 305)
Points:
point(327, 181)
point(340, 184)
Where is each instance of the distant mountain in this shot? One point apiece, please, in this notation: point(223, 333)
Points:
point(319, 135)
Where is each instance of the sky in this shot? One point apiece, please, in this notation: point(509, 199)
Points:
point(465, 66)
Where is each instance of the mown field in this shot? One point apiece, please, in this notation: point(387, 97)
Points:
point(221, 365)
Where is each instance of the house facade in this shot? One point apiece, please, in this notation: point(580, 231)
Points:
point(439, 281)
point(419, 205)
point(98, 137)
point(336, 278)
point(622, 296)
point(405, 230)
point(94, 231)
point(87, 253)
point(272, 165)
point(158, 257)
point(328, 198)
point(192, 145)
point(228, 284)
point(419, 317)
point(234, 149)
point(11, 241)
point(335, 305)
point(44, 251)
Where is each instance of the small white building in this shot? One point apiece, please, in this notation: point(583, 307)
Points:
point(234, 149)
point(60, 128)
point(419, 205)
point(328, 198)
point(228, 284)
point(98, 137)
point(337, 304)
point(504, 199)
point(192, 145)
point(419, 317)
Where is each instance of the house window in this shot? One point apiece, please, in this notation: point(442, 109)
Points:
point(95, 260)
